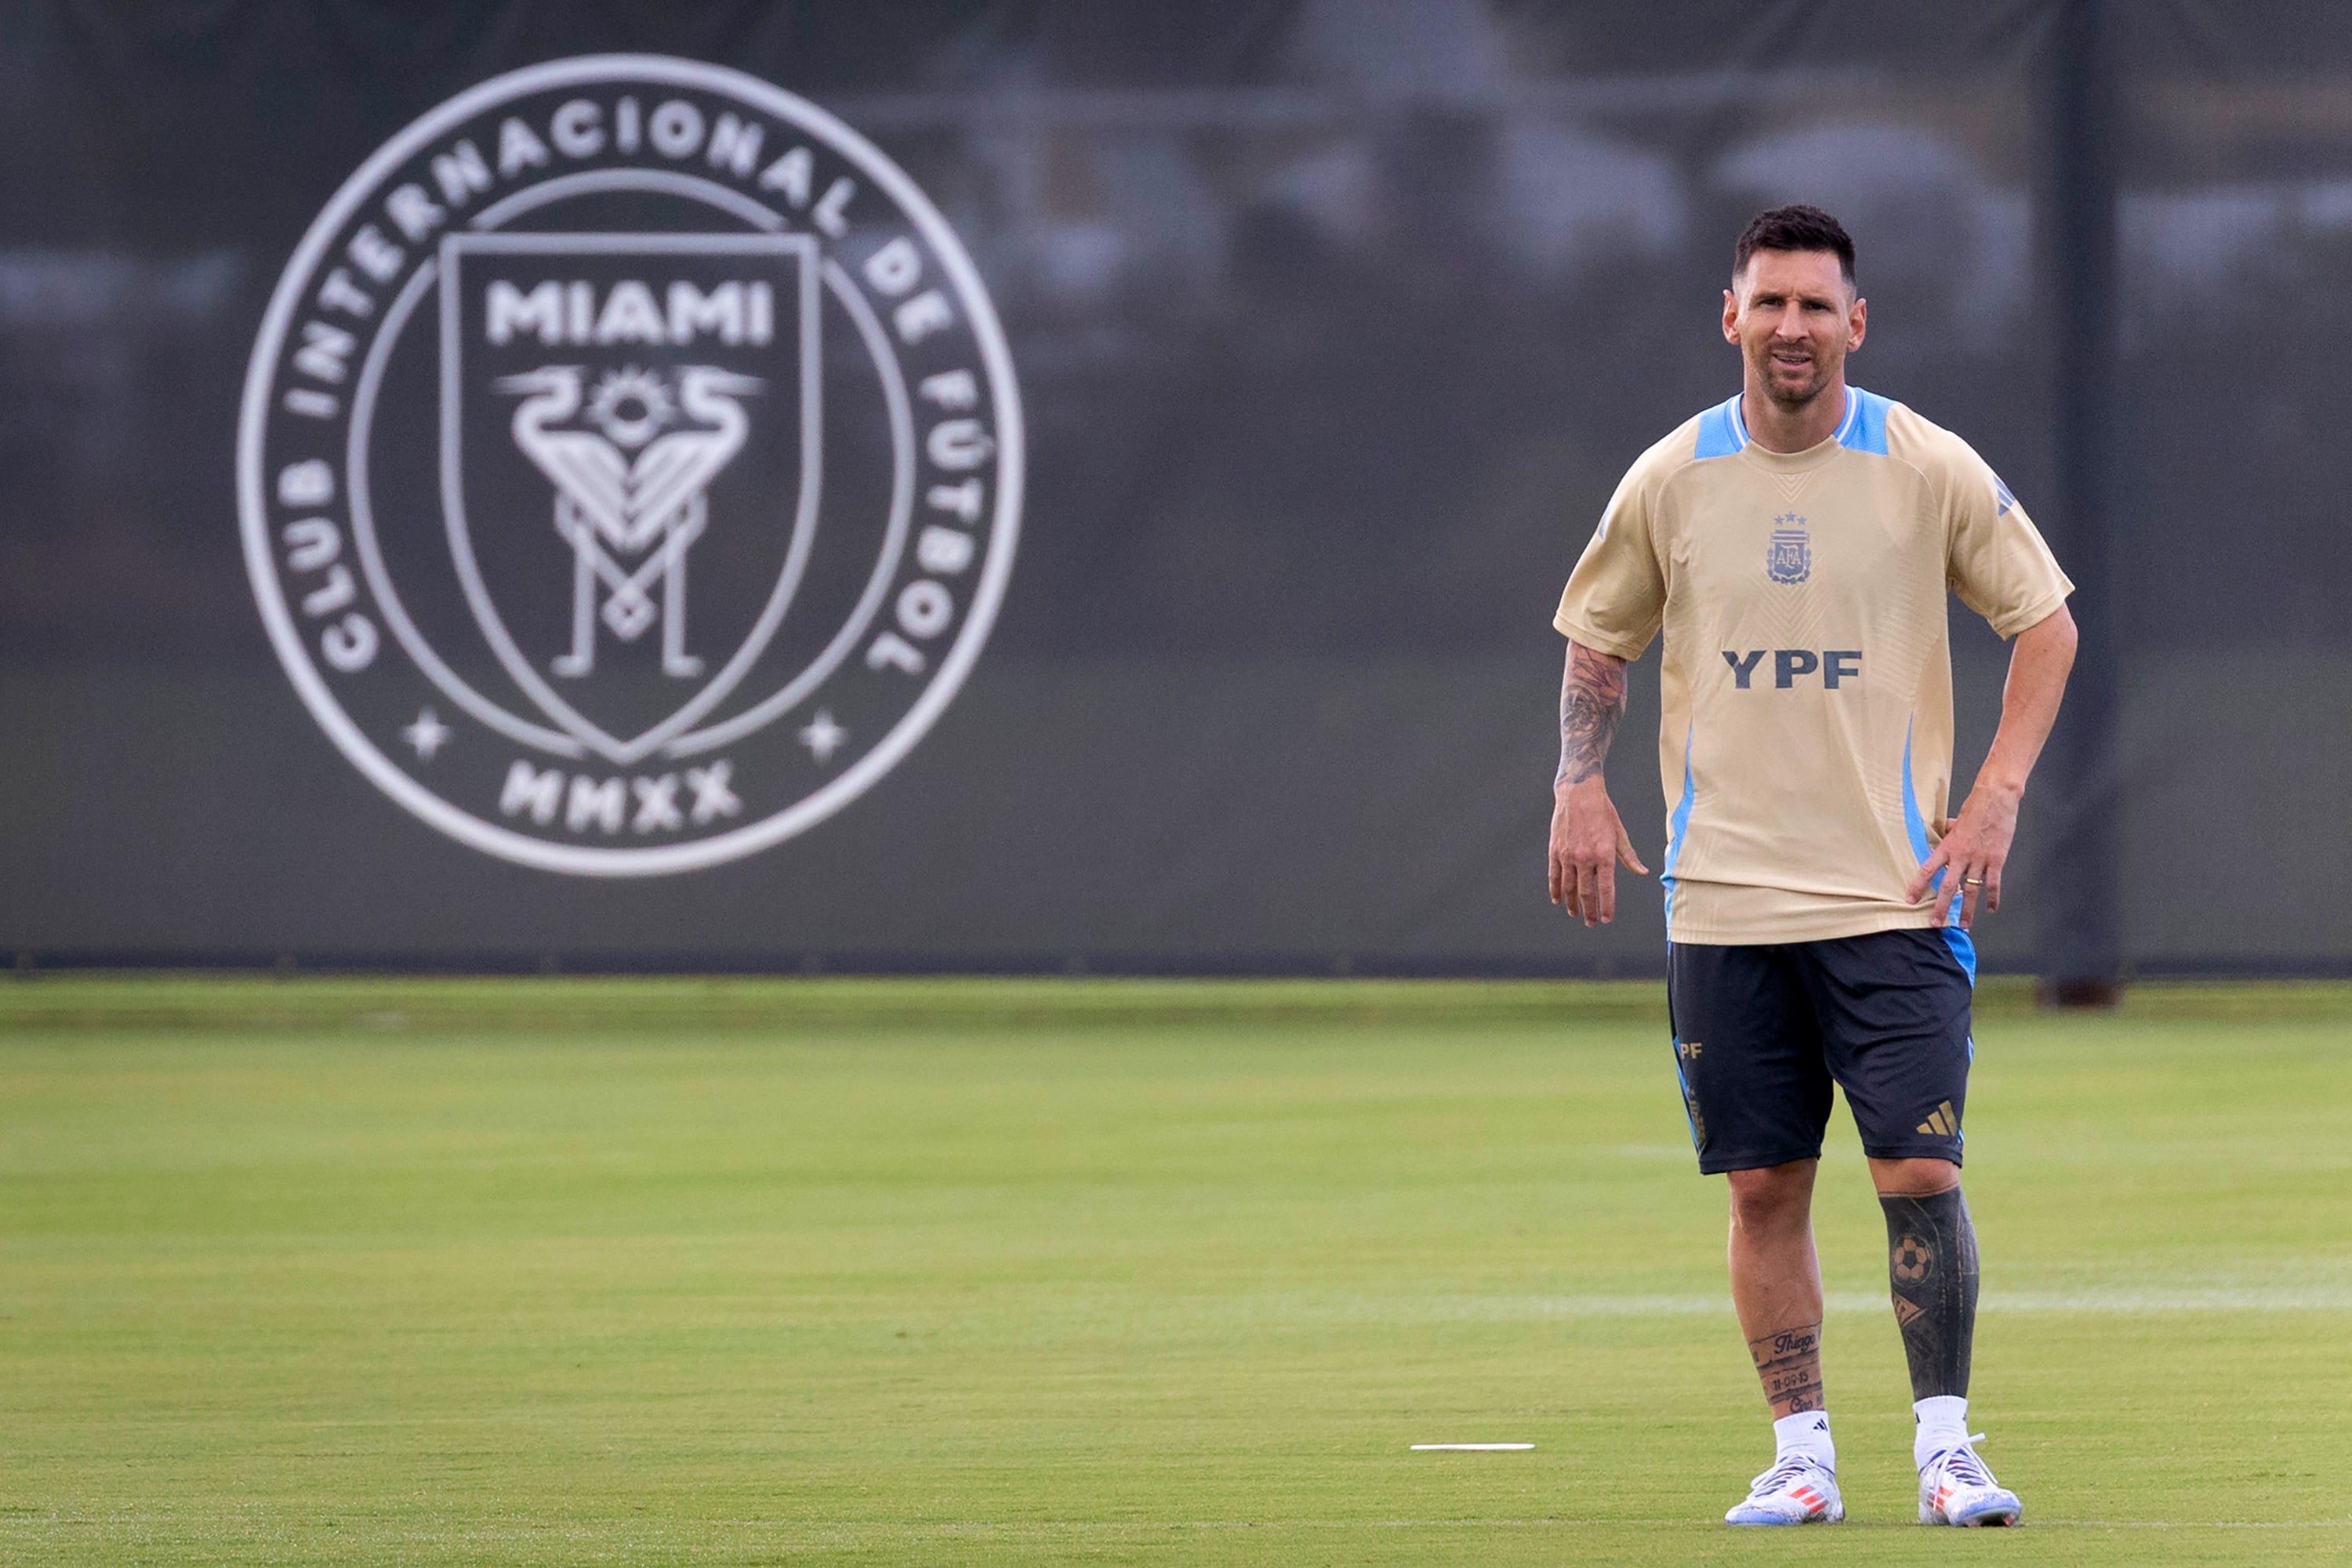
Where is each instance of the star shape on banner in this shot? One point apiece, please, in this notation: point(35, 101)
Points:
point(428, 734)
point(822, 736)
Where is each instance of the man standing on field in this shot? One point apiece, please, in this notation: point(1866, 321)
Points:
point(1794, 543)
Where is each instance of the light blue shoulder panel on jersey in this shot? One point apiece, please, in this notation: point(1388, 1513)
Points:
point(1721, 431)
point(1864, 429)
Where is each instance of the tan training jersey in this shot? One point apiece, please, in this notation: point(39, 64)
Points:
point(1806, 750)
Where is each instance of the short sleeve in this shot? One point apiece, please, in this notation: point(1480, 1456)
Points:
point(1996, 559)
point(1616, 596)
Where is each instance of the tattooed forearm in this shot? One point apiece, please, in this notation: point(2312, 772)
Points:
point(1591, 699)
point(1789, 1363)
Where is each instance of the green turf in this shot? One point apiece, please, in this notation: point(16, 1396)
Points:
point(1023, 1272)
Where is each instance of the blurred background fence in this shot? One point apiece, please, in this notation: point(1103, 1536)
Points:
point(1335, 323)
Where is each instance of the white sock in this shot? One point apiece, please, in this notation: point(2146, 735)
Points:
point(1806, 1433)
point(1943, 1423)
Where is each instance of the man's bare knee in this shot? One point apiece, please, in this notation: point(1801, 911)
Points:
point(1913, 1178)
point(1774, 1197)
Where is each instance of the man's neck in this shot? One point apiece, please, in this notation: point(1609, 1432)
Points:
point(1779, 430)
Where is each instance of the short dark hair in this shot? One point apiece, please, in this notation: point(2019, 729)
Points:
point(1797, 227)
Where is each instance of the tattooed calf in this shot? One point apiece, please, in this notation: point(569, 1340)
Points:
point(1931, 1265)
point(1789, 1363)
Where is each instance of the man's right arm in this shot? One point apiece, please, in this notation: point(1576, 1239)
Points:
point(1588, 840)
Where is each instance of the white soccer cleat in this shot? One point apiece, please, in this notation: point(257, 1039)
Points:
point(1956, 1488)
point(1796, 1490)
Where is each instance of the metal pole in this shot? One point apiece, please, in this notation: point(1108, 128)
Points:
point(2078, 891)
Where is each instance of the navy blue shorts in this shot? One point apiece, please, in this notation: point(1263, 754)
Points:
point(1762, 1032)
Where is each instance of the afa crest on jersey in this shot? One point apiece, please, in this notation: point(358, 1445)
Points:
point(1788, 558)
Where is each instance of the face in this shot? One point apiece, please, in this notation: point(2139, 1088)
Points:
point(1795, 320)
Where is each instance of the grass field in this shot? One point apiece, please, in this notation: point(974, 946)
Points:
point(834, 1271)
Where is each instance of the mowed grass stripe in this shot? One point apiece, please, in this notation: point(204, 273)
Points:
point(1175, 1278)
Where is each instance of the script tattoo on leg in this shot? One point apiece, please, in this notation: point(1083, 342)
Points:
point(1591, 701)
point(1789, 1364)
point(1931, 1262)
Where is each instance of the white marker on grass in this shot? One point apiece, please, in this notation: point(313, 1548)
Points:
point(1472, 1447)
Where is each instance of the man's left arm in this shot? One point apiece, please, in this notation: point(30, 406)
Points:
point(1975, 844)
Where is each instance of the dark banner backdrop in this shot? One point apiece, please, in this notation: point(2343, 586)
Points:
point(1333, 324)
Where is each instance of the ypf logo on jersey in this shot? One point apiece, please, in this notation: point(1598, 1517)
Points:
point(630, 465)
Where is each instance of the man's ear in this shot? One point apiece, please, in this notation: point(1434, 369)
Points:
point(1730, 317)
point(1857, 323)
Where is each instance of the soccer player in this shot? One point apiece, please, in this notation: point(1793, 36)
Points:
point(1794, 543)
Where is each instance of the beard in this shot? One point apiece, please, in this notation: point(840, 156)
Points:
point(1788, 396)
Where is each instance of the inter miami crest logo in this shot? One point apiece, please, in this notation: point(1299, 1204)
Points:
point(630, 465)
point(1788, 558)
